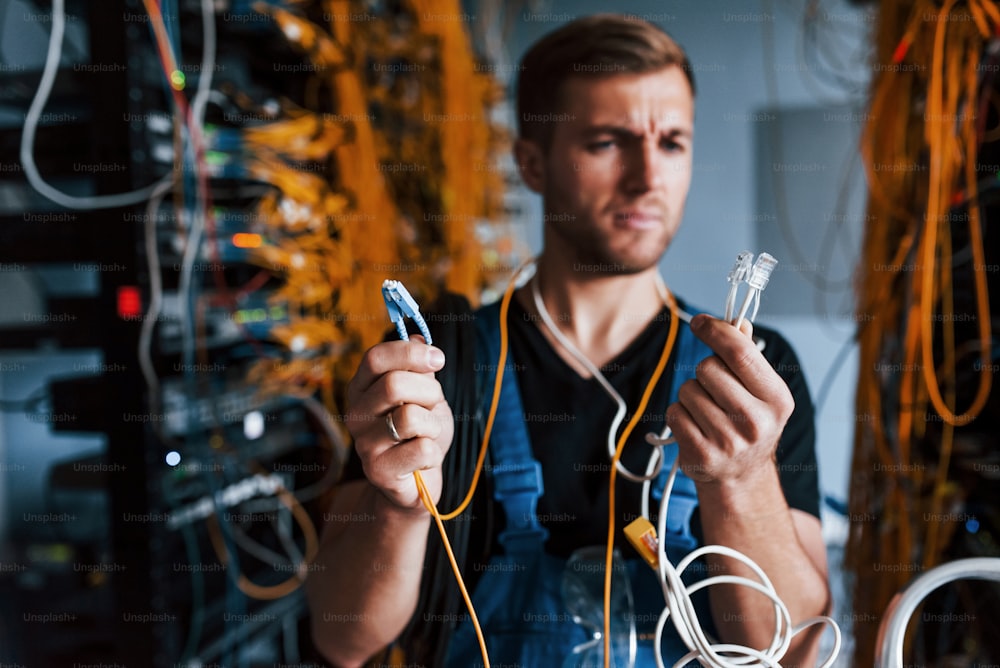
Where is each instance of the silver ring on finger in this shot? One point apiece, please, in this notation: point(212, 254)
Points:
point(393, 434)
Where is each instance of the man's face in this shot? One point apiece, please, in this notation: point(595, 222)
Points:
point(617, 173)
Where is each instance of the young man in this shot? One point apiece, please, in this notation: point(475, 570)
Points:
point(606, 107)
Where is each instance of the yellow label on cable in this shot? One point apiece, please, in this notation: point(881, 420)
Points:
point(642, 534)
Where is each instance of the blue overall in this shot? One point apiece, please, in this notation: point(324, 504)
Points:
point(518, 599)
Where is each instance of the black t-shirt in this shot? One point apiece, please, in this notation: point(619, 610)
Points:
point(568, 418)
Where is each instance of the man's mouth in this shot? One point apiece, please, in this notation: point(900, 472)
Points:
point(637, 219)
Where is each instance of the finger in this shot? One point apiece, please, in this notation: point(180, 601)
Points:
point(413, 421)
point(739, 353)
point(684, 427)
point(418, 338)
point(413, 355)
point(398, 462)
point(712, 421)
point(410, 421)
point(396, 388)
point(724, 388)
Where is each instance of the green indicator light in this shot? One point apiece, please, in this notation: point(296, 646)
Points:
point(216, 158)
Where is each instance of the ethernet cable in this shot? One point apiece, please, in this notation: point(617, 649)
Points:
point(681, 609)
point(677, 596)
point(616, 450)
point(679, 604)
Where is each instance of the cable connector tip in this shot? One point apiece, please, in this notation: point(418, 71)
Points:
point(761, 271)
point(642, 535)
point(400, 304)
point(741, 269)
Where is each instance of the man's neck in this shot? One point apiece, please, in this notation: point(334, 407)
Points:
point(599, 314)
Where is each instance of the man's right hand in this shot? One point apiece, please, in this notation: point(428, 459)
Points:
point(397, 378)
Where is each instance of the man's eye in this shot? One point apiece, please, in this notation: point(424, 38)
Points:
point(673, 146)
point(601, 145)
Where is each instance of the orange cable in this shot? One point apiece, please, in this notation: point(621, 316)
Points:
point(422, 488)
point(501, 362)
point(933, 205)
point(432, 509)
point(271, 592)
point(640, 409)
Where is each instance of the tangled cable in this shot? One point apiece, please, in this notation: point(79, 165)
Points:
point(680, 609)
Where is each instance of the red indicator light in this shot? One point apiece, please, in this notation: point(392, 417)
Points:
point(129, 302)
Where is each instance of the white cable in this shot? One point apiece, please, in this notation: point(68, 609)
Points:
point(283, 528)
point(32, 117)
point(338, 445)
point(596, 373)
point(737, 275)
point(654, 465)
point(731, 303)
point(155, 295)
point(757, 279)
point(752, 295)
point(204, 89)
point(679, 606)
point(257, 550)
point(661, 288)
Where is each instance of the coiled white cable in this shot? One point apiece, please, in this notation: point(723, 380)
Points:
point(680, 608)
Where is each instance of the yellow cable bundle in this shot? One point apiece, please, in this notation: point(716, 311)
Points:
point(920, 150)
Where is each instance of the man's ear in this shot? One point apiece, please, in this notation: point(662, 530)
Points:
point(530, 163)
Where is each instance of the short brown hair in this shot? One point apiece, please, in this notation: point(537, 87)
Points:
point(592, 46)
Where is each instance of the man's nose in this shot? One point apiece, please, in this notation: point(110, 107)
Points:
point(643, 168)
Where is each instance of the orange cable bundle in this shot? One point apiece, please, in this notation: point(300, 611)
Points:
point(322, 51)
point(920, 149)
point(464, 138)
point(372, 243)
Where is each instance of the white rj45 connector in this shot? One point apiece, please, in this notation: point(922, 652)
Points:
point(755, 276)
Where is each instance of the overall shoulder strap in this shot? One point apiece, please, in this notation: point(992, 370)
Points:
point(690, 351)
point(517, 475)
